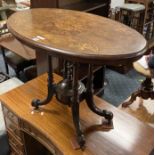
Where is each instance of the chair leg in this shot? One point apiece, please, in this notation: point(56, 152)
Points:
point(6, 68)
point(6, 65)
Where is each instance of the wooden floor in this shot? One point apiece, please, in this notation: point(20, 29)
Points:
point(142, 110)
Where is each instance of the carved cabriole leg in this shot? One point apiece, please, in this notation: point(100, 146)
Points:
point(132, 99)
point(75, 107)
point(147, 88)
point(89, 98)
point(51, 87)
point(146, 91)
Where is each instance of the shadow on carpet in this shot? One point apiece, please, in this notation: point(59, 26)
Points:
point(119, 87)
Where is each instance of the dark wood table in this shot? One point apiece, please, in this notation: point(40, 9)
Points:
point(78, 38)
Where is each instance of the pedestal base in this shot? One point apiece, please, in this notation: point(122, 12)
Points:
point(68, 91)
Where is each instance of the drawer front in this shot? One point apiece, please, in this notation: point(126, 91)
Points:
point(13, 128)
point(12, 117)
point(15, 152)
point(15, 144)
point(12, 152)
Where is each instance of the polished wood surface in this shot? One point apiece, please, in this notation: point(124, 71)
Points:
point(99, 7)
point(77, 36)
point(54, 127)
point(11, 43)
point(142, 110)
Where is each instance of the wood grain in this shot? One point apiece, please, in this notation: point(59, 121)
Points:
point(77, 36)
point(142, 110)
point(55, 127)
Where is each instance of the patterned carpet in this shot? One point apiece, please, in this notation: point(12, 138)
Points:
point(120, 86)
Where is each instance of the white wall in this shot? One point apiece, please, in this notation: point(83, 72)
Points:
point(115, 3)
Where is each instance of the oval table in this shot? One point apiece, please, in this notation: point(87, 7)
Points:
point(78, 38)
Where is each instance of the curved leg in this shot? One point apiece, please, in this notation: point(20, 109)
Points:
point(89, 98)
point(75, 107)
point(51, 87)
point(132, 99)
point(145, 91)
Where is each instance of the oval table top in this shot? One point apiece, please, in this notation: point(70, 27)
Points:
point(77, 36)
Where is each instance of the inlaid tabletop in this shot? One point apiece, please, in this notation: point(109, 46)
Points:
point(77, 35)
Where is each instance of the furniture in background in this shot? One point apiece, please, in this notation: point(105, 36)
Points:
point(30, 72)
point(50, 130)
point(148, 30)
point(141, 104)
point(15, 61)
point(3, 9)
point(16, 55)
point(138, 14)
point(141, 109)
point(146, 90)
point(133, 15)
point(100, 7)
